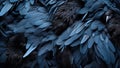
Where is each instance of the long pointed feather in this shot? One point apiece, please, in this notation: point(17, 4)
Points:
point(6, 8)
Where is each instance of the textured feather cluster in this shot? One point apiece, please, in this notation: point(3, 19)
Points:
point(59, 34)
point(16, 50)
point(65, 15)
point(113, 27)
point(67, 12)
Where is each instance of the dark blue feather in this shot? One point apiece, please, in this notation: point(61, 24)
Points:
point(95, 6)
point(110, 45)
point(72, 39)
point(102, 49)
point(75, 43)
point(76, 56)
point(93, 26)
point(84, 39)
point(63, 36)
point(117, 65)
point(76, 27)
point(32, 1)
point(47, 47)
point(3, 58)
point(90, 42)
point(83, 49)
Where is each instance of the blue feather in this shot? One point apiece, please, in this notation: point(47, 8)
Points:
point(63, 36)
point(84, 39)
point(83, 49)
point(13, 1)
point(90, 42)
point(6, 8)
point(75, 43)
point(72, 39)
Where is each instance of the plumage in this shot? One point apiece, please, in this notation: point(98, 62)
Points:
point(59, 33)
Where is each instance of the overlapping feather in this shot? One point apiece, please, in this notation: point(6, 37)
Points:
point(88, 37)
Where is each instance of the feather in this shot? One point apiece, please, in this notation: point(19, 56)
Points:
point(95, 6)
point(90, 42)
point(51, 26)
point(72, 39)
point(3, 58)
point(101, 49)
point(80, 29)
point(3, 32)
point(76, 27)
point(88, 23)
point(6, 8)
point(52, 2)
point(28, 45)
point(38, 22)
point(63, 36)
point(88, 5)
point(108, 56)
point(49, 38)
point(34, 14)
point(83, 49)
point(54, 8)
point(30, 30)
point(83, 10)
point(24, 8)
point(104, 54)
point(47, 47)
point(97, 25)
point(102, 37)
point(111, 6)
point(109, 44)
point(76, 56)
point(32, 47)
point(43, 2)
point(117, 65)
point(42, 62)
point(84, 39)
point(93, 26)
point(45, 25)
point(101, 27)
point(97, 52)
point(99, 14)
point(32, 44)
point(75, 43)
point(32, 2)
point(84, 16)
point(93, 64)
